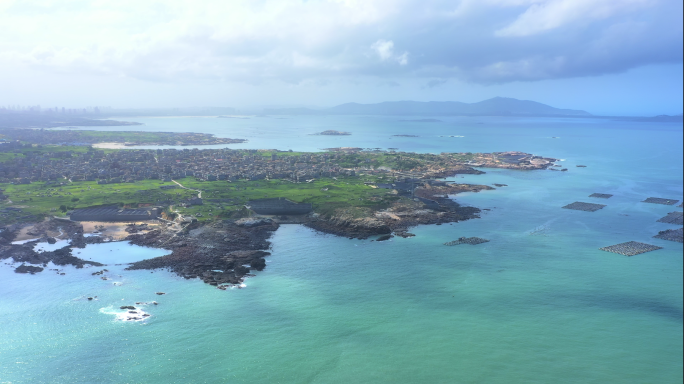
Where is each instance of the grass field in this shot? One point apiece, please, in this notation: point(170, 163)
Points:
point(221, 198)
point(325, 195)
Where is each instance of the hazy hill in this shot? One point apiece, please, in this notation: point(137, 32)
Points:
point(498, 106)
point(657, 119)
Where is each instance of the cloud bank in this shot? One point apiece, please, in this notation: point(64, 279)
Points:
point(318, 41)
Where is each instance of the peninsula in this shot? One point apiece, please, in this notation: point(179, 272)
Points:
point(110, 138)
point(215, 209)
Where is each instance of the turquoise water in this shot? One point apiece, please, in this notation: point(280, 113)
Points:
point(538, 304)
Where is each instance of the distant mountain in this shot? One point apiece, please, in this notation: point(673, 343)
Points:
point(658, 119)
point(498, 106)
point(37, 120)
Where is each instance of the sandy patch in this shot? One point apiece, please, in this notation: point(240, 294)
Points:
point(25, 235)
point(115, 230)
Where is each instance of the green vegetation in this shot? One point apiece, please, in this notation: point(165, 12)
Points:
point(49, 136)
point(41, 149)
point(221, 199)
point(229, 198)
point(325, 194)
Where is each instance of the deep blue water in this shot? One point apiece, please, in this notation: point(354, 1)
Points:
point(539, 303)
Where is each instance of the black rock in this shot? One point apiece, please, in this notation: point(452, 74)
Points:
point(28, 269)
point(384, 238)
point(258, 264)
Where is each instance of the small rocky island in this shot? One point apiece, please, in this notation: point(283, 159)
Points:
point(331, 132)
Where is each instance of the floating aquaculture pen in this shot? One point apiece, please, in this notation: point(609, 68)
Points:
point(467, 240)
point(631, 248)
point(587, 207)
point(671, 235)
point(601, 195)
point(658, 200)
point(676, 218)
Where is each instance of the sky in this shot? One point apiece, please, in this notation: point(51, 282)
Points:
point(608, 57)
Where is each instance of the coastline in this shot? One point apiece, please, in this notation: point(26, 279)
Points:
point(223, 253)
point(222, 249)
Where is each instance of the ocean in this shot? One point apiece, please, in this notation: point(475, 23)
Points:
point(539, 303)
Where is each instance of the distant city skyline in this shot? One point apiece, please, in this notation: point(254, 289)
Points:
point(607, 57)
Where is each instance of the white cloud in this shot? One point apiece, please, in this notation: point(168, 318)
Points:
point(403, 59)
point(384, 49)
point(294, 41)
point(551, 14)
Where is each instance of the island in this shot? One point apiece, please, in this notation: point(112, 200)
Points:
point(214, 210)
point(331, 132)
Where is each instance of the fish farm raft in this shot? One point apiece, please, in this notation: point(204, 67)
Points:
point(601, 195)
point(671, 235)
point(631, 248)
point(676, 218)
point(658, 200)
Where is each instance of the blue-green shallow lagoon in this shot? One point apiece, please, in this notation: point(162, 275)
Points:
point(538, 304)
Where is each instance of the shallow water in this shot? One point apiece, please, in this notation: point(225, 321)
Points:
point(539, 303)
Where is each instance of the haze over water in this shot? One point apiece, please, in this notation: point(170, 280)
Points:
point(539, 303)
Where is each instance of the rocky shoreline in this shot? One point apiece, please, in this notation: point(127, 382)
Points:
point(220, 254)
point(25, 253)
point(224, 253)
point(431, 205)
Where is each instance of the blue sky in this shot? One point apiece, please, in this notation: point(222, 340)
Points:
point(611, 57)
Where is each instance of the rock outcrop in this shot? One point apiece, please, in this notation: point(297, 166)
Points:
point(28, 269)
point(217, 253)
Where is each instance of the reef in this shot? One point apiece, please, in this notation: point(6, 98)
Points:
point(587, 207)
point(220, 253)
point(467, 240)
